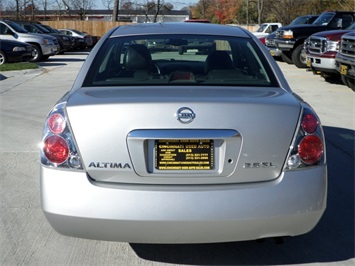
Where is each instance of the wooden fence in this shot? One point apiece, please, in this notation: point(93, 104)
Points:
point(99, 28)
point(93, 27)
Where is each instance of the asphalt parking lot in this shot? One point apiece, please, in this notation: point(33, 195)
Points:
point(27, 239)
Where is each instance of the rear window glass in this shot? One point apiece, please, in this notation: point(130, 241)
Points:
point(179, 60)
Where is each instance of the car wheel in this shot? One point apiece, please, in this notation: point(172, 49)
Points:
point(299, 58)
point(348, 81)
point(343, 80)
point(44, 57)
point(330, 76)
point(286, 57)
point(60, 51)
point(61, 48)
point(38, 53)
point(3, 59)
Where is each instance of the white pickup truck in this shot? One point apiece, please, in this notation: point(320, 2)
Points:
point(266, 28)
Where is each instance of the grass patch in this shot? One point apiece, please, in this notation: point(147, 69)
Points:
point(18, 66)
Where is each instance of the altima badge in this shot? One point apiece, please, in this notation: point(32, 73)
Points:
point(185, 115)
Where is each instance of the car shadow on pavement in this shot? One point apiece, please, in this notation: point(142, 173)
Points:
point(52, 62)
point(82, 52)
point(63, 60)
point(332, 240)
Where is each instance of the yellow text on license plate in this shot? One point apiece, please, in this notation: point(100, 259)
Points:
point(184, 154)
point(343, 69)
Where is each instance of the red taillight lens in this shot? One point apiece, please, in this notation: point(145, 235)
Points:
point(56, 123)
point(309, 123)
point(310, 149)
point(56, 149)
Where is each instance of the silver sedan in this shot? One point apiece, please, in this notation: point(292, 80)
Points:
point(152, 145)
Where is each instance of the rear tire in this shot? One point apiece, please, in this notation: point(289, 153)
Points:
point(299, 58)
point(286, 57)
point(329, 77)
point(44, 57)
point(343, 80)
point(38, 53)
point(351, 83)
point(348, 81)
point(3, 59)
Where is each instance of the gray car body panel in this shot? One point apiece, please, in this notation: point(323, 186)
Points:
point(102, 120)
point(78, 207)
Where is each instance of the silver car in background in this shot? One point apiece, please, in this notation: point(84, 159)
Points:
point(84, 39)
point(154, 146)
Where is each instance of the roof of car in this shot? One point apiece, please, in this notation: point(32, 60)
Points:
point(180, 28)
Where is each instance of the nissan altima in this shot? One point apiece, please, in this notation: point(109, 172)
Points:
point(155, 146)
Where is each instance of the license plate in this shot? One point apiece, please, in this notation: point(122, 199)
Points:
point(184, 155)
point(309, 63)
point(343, 69)
point(272, 53)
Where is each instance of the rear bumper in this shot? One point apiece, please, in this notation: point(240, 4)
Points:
point(291, 205)
point(65, 45)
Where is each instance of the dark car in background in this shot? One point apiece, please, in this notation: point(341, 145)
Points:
point(85, 39)
point(14, 51)
point(270, 39)
point(290, 39)
point(95, 39)
point(75, 44)
point(64, 41)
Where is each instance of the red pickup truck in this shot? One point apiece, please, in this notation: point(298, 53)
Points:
point(321, 49)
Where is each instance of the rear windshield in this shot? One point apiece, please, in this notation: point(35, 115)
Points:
point(179, 60)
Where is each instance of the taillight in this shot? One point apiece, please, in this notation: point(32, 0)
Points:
point(310, 149)
point(56, 123)
point(308, 146)
point(56, 149)
point(309, 123)
point(58, 145)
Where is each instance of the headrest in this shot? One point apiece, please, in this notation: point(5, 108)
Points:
point(218, 60)
point(137, 57)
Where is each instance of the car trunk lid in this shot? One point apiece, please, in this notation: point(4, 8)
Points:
point(236, 135)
